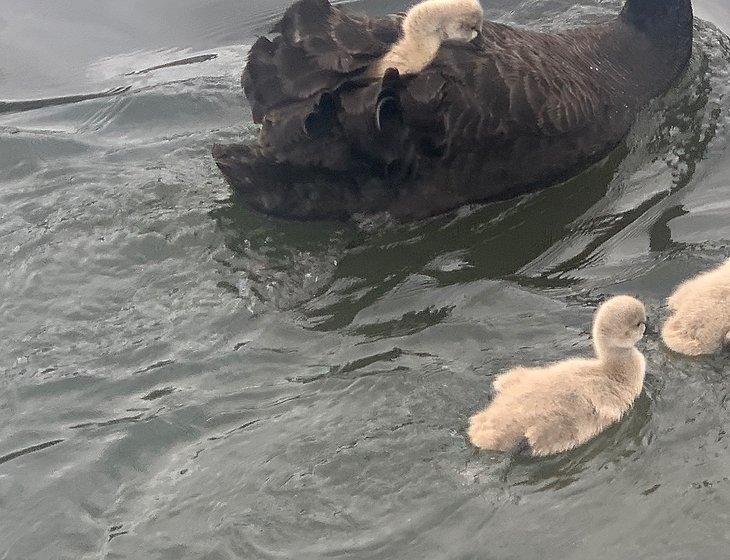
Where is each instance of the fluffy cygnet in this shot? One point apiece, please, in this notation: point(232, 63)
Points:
point(700, 322)
point(425, 26)
point(562, 405)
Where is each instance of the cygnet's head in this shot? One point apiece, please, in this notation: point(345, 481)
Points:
point(459, 20)
point(619, 322)
point(465, 22)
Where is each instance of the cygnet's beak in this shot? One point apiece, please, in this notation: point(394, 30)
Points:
point(474, 34)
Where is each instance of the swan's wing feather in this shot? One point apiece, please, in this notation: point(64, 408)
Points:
point(518, 90)
point(316, 49)
point(360, 35)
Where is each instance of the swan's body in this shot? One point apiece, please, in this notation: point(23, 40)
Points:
point(563, 405)
point(700, 320)
point(513, 110)
point(425, 27)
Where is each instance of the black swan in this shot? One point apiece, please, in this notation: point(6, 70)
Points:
point(508, 112)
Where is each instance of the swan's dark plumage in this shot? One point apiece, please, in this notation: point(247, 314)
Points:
point(315, 49)
point(514, 110)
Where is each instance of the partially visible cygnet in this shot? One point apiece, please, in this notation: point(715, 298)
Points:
point(562, 405)
point(425, 26)
point(700, 322)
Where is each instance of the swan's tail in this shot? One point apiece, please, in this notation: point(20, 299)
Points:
point(335, 154)
point(283, 190)
point(693, 335)
point(487, 434)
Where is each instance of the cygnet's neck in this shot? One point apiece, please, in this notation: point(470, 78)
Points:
point(413, 52)
point(418, 46)
point(608, 351)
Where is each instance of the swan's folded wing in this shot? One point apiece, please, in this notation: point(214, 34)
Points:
point(316, 48)
point(511, 87)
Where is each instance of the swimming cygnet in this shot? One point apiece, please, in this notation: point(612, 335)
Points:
point(425, 26)
point(562, 405)
point(700, 322)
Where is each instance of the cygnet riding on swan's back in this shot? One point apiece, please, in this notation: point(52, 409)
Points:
point(700, 320)
point(425, 27)
point(362, 115)
point(560, 406)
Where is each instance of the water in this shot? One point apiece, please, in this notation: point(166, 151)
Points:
point(184, 379)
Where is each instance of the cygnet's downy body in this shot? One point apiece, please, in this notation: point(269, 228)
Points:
point(700, 320)
point(562, 405)
point(425, 27)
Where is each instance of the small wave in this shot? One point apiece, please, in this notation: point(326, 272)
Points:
point(26, 450)
point(32, 104)
point(181, 62)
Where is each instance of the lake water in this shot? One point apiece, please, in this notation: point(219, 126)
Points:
point(183, 379)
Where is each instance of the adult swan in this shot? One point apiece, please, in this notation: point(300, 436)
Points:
point(482, 118)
